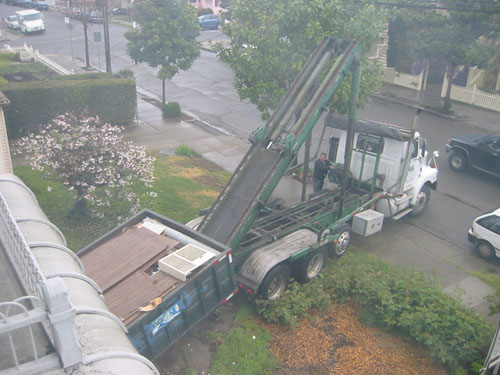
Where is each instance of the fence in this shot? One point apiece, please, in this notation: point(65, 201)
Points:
point(28, 53)
point(47, 303)
point(472, 95)
point(410, 81)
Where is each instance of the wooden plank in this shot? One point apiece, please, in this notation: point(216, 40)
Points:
point(120, 256)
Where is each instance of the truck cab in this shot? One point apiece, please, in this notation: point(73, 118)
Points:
point(380, 156)
point(30, 21)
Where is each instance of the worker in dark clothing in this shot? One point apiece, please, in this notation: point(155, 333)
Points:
point(321, 168)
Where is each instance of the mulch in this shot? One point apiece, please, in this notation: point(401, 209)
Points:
point(336, 342)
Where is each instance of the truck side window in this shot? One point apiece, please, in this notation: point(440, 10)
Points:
point(491, 223)
point(369, 143)
point(414, 150)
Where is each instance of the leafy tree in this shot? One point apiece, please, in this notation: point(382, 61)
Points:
point(92, 160)
point(271, 41)
point(166, 37)
point(455, 37)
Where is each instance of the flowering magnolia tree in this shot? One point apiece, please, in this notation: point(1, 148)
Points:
point(93, 161)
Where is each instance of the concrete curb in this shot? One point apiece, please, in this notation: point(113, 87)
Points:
point(415, 106)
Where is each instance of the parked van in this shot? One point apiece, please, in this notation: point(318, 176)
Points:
point(30, 21)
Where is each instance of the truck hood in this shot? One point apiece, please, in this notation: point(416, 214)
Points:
point(468, 138)
point(34, 23)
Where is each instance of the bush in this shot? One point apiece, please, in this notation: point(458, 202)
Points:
point(398, 299)
point(35, 103)
point(394, 299)
point(171, 109)
point(83, 77)
point(204, 11)
point(294, 302)
point(184, 151)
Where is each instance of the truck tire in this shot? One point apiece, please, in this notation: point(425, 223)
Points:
point(457, 161)
point(423, 197)
point(277, 204)
point(311, 265)
point(275, 282)
point(484, 250)
point(339, 248)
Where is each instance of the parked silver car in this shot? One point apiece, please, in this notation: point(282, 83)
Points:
point(11, 23)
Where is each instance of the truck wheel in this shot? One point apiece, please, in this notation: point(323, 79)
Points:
point(457, 161)
point(423, 197)
point(277, 204)
point(340, 247)
point(484, 250)
point(275, 282)
point(311, 266)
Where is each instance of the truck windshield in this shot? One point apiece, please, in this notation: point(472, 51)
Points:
point(31, 17)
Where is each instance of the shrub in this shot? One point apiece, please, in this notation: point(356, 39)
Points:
point(294, 302)
point(171, 109)
point(83, 77)
point(204, 11)
point(404, 300)
point(184, 151)
point(394, 299)
point(35, 103)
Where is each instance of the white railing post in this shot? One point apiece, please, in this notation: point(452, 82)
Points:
point(61, 315)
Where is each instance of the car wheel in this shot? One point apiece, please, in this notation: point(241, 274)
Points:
point(484, 250)
point(457, 161)
point(311, 266)
point(423, 197)
point(275, 282)
point(339, 248)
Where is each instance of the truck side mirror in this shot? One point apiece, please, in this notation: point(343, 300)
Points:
point(435, 153)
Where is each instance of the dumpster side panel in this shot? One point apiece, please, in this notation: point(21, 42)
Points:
point(184, 308)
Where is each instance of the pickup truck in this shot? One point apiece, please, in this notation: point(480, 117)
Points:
point(478, 151)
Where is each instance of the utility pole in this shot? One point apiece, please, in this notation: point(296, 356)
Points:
point(107, 51)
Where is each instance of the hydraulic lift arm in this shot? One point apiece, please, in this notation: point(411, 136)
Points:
point(275, 146)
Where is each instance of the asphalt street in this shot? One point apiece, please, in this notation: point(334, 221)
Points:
point(435, 243)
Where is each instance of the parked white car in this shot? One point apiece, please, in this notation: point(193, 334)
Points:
point(11, 23)
point(485, 234)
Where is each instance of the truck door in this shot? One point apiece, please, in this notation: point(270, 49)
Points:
point(488, 155)
point(415, 164)
point(332, 149)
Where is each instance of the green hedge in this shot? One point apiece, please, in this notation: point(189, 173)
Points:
point(35, 103)
point(394, 299)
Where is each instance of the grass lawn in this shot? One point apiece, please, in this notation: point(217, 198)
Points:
point(9, 64)
point(244, 349)
point(184, 184)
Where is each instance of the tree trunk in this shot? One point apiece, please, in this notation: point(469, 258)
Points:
point(163, 90)
point(87, 59)
point(450, 73)
point(79, 209)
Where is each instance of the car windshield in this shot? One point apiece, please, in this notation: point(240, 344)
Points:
point(31, 17)
point(12, 18)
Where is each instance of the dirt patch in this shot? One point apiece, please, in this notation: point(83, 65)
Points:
point(28, 76)
point(338, 343)
point(189, 172)
point(209, 180)
point(193, 161)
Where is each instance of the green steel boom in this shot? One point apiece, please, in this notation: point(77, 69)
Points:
point(276, 145)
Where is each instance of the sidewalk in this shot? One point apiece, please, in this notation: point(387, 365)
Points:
point(164, 136)
point(476, 117)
